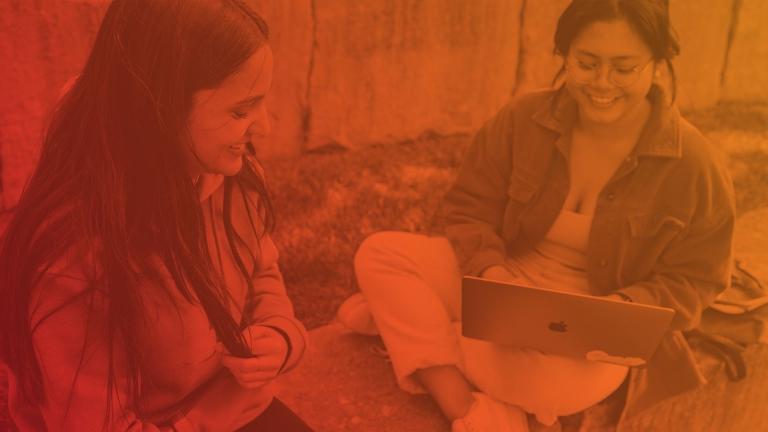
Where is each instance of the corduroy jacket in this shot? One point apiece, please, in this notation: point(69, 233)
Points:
point(661, 232)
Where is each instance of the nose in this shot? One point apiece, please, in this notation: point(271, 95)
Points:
point(260, 126)
point(603, 76)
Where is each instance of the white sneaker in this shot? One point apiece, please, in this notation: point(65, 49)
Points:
point(355, 315)
point(490, 415)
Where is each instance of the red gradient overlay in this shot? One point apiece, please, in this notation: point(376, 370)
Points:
point(372, 110)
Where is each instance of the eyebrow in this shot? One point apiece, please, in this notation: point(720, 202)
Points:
point(622, 57)
point(250, 101)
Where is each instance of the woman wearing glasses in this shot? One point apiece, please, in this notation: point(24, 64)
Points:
point(597, 187)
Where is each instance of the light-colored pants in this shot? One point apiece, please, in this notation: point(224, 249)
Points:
point(412, 284)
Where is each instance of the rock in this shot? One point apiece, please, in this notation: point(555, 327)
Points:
point(751, 243)
point(745, 75)
point(44, 44)
point(703, 30)
point(391, 70)
point(291, 32)
point(538, 65)
point(56, 41)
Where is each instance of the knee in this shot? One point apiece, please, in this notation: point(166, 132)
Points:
point(374, 249)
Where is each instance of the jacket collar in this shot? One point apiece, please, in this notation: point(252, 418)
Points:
point(660, 136)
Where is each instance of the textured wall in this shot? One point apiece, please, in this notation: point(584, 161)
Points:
point(43, 44)
point(538, 64)
point(389, 70)
point(746, 76)
point(291, 32)
point(703, 28)
point(353, 73)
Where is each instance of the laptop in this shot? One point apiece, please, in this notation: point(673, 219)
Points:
point(562, 323)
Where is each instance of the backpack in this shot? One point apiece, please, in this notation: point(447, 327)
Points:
point(737, 318)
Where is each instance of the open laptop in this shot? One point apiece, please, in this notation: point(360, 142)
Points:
point(562, 323)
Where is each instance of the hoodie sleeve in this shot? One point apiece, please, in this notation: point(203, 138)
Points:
point(273, 308)
point(69, 322)
point(73, 350)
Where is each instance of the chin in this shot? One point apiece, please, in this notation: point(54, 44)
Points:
point(602, 115)
point(227, 169)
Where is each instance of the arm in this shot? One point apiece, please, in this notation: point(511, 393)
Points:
point(73, 352)
point(473, 209)
point(273, 309)
point(696, 265)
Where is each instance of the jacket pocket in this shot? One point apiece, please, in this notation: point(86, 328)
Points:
point(651, 224)
point(646, 237)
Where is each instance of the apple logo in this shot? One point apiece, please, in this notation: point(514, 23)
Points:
point(561, 326)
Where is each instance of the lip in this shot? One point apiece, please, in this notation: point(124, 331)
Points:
point(237, 150)
point(602, 102)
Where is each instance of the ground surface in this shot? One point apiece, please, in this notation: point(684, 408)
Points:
point(345, 382)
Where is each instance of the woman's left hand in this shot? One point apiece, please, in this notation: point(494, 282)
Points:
point(269, 350)
point(615, 297)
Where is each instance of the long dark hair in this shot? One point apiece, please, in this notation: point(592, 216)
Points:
point(649, 18)
point(113, 173)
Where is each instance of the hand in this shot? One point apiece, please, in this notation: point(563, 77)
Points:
point(615, 297)
point(500, 273)
point(269, 350)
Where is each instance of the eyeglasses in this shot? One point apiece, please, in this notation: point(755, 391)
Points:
point(585, 72)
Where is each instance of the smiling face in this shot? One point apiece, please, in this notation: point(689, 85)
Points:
point(224, 119)
point(611, 48)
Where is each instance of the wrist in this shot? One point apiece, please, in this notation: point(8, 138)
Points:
point(620, 296)
point(286, 338)
point(494, 271)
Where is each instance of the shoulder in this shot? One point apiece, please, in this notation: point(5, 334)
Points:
point(525, 105)
point(697, 149)
point(699, 153)
point(705, 166)
point(519, 116)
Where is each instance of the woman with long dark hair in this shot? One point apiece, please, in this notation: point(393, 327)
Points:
point(596, 187)
point(140, 285)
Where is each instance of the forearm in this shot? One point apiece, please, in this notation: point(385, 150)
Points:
point(222, 404)
point(274, 309)
point(688, 298)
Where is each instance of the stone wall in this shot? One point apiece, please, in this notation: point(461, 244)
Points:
point(355, 73)
point(43, 43)
point(390, 70)
point(703, 28)
point(746, 75)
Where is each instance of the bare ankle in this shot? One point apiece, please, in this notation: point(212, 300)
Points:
point(449, 388)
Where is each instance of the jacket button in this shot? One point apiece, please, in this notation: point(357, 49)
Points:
point(611, 196)
point(603, 262)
